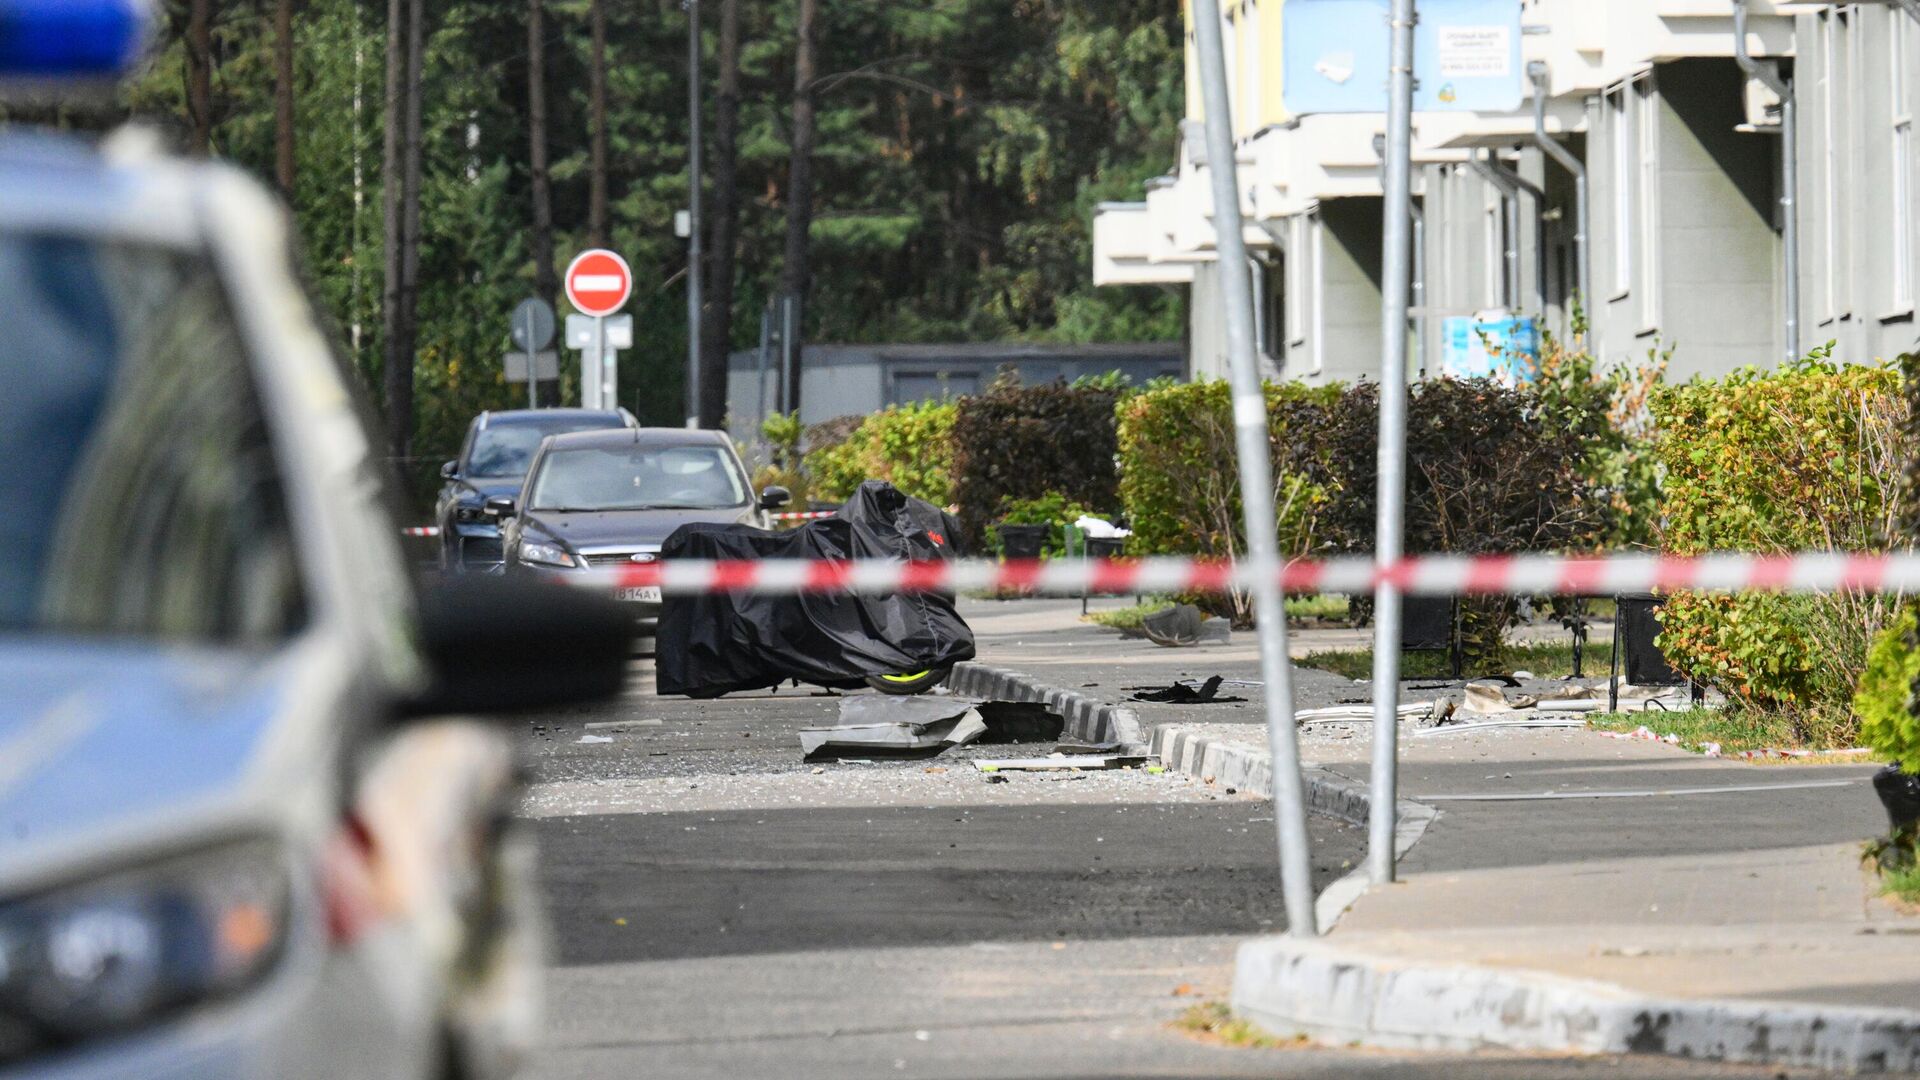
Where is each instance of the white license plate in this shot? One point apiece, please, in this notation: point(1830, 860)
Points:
point(643, 594)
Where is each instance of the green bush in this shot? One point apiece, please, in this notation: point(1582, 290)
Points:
point(910, 446)
point(1027, 442)
point(1804, 458)
point(1492, 469)
point(1053, 509)
point(1885, 701)
point(1179, 479)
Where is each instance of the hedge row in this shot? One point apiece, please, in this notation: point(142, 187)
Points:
point(1492, 469)
point(1805, 458)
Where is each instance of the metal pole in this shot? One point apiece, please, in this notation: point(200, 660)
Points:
point(766, 344)
point(695, 252)
point(1769, 73)
point(789, 358)
point(1256, 478)
point(1395, 258)
point(1582, 226)
point(607, 397)
point(533, 374)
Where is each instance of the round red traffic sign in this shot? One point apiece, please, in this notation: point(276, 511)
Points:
point(598, 282)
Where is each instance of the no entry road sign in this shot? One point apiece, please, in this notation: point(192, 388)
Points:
point(599, 282)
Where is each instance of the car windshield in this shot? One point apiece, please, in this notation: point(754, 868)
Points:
point(639, 478)
point(142, 496)
point(505, 450)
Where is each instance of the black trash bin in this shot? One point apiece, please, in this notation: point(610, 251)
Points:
point(1024, 541)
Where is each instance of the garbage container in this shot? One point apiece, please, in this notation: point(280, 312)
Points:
point(1024, 541)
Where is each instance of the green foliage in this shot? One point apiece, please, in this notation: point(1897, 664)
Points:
point(1053, 509)
point(963, 147)
point(781, 435)
point(1018, 443)
point(909, 446)
point(1804, 458)
point(1609, 411)
point(1885, 700)
point(1494, 470)
point(1179, 482)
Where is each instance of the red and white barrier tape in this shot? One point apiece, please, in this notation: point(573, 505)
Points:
point(421, 530)
point(803, 515)
point(1430, 575)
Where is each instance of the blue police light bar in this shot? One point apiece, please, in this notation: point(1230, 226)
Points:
point(57, 41)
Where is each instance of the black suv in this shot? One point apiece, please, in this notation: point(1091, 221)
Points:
point(494, 461)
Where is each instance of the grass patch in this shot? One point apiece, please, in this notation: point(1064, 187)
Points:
point(1733, 729)
point(1327, 608)
point(1212, 1020)
point(1546, 659)
point(1902, 885)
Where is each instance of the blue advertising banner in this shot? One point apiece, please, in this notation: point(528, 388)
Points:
point(1490, 345)
point(1466, 56)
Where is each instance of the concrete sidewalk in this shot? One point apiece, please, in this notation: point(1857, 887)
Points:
point(1574, 892)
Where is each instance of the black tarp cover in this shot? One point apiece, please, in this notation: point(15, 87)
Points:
point(722, 643)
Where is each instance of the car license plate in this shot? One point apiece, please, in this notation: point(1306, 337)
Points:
point(644, 594)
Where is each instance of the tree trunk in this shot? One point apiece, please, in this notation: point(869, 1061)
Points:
point(283, 97)
point(407, 31)
point(795, 275)
point(546, 280)
point(716, 339)
point(410, 250)
point(200, 76)
point(597, 168)
point(397, 366)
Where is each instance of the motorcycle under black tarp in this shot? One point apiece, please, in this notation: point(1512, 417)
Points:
point(723, 643)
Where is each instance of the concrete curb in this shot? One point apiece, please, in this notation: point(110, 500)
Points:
point(1249, 769)
point(1088, 720)
point(1336, 994)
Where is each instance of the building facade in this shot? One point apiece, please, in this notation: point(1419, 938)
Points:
point(1681, 146)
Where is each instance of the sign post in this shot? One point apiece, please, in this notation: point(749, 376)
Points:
point(533, 331)
point(599, 283)
point(1256, 481)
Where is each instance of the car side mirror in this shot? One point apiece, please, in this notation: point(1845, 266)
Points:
point(450, 471)
point(501, 506)
point(775, 497)
point(502, 645)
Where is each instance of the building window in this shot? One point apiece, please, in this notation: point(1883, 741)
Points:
point(1900, 222)
point(1646, 206)
point(1621, 124)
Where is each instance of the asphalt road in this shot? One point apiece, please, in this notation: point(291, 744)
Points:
point(721, 909)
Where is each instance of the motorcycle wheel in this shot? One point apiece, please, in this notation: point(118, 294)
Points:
point(916, 682)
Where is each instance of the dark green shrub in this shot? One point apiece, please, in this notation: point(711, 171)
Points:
point(1804, 458)
point(1025, 442)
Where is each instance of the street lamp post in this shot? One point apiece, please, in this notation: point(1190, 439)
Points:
point(695, 254)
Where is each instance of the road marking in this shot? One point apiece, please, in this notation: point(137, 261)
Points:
point(1518, 797)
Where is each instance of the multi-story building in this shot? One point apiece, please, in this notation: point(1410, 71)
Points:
point(1687, 200)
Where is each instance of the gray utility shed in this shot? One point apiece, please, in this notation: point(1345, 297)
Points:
point(839, 380)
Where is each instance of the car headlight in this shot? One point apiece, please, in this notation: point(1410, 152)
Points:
point(122, 950)
point(545, 555)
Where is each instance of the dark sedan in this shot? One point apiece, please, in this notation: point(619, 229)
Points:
point(609, 498)
point(494, 461)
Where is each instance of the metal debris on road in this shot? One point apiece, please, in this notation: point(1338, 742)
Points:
point(1185, 693)
point(1059, 761)
point(900, 727)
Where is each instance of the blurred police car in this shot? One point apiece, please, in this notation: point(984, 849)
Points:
point(239, 834)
